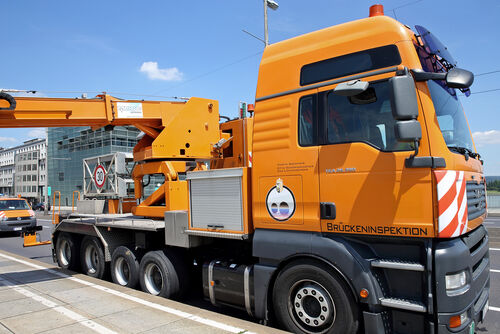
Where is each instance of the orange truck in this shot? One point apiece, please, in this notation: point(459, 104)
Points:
point(352, 200)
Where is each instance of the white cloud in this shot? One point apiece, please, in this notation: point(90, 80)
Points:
point(150, 68)
point(491, 137)
point(37, 133)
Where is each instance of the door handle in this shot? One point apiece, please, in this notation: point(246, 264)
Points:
point(328, 210)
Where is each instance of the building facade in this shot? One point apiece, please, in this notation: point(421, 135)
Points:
point(23, 170)
point(7, 168)
point(67, 147)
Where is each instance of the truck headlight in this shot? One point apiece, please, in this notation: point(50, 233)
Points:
point(456, 284)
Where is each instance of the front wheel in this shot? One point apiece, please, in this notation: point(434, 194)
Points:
point(310, 298)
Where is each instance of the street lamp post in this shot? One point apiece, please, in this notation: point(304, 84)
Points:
point(273, 5)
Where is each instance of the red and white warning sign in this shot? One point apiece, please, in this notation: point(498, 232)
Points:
point(99, 176)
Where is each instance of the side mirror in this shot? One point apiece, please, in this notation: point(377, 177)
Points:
point(408, 131)
point(459, 78)
point(404, 107)
point(455, 77)
point(404, 103)
point(351, 88)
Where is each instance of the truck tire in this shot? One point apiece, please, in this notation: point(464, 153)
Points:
point(309, 297)
point(67, 252)
point(125, 267)
point(92, 257)
point(158, 275)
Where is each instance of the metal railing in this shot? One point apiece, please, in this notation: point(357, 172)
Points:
point(55, 216)
point(493, 201)
point(73, 200)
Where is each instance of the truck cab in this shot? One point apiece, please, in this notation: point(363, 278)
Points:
point(360, 141)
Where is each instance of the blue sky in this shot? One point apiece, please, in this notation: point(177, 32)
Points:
point(197, 48)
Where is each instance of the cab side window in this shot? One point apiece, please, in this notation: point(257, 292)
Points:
point(366, 117)
point(307, 116)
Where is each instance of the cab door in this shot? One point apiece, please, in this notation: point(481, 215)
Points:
point(363, 178)
point(285, 163)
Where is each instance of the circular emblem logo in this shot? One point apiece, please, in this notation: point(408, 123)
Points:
point(280, 203)
point(99, 176)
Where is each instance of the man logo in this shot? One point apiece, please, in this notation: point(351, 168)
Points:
point(280, 202)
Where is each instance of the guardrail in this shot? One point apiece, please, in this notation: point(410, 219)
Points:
point(493, 201)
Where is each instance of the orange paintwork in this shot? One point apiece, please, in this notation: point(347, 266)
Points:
point(381, 196)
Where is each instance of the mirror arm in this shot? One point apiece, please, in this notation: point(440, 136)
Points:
point(416, 149)
point(421, 75)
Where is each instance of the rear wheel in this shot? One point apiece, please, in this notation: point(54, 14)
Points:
point(92, 257)
point(310, 298)
point(125, 267)
point(67, 251)
point(158, 276)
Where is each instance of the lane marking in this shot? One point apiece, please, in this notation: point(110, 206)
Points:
point(495, 249)
point(54, 306)
point(495, 271)
point(496, 309)
point(167, 309)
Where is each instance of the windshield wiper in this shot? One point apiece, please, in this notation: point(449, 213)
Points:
point(465, 151)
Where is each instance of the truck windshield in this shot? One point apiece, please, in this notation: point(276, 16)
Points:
point(449, 111)
point(451, 117)
point(13, 204)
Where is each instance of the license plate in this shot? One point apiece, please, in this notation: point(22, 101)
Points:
point(18, 228)
point(485, 310)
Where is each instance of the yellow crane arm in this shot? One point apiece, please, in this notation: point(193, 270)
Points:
point(187, 129)
point(97, 112)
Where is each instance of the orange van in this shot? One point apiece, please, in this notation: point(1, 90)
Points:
point(15, 213)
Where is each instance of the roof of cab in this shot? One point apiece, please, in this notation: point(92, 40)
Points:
point(281, 62)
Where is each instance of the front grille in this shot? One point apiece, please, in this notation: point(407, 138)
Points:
point(15, 218)
point(477, 242)
point(476, 199)
point(19, 224)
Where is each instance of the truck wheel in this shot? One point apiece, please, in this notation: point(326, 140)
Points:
point(158, 275)
point(92, 258)
point(309, 298)
point(124, 267)
point(67, 252)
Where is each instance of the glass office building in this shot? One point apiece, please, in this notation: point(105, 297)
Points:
point(67, 147)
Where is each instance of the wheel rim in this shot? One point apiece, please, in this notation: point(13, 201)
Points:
point(64, 252)
point(91, 259)
point(122, 271)
point(311, 307)
point(153, 278)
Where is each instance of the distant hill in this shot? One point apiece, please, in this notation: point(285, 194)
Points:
point(492, 178)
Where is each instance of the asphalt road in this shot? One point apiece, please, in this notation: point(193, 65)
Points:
point(13, 243)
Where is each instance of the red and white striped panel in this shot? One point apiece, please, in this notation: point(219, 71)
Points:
point(2, 214)
point(452, 203)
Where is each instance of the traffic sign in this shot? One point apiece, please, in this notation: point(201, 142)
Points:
point(99, 176)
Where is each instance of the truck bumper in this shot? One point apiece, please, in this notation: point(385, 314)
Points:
point(16, 226)
point(469, 254)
